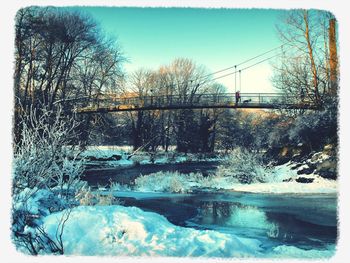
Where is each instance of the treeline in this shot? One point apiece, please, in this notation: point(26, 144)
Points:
point(60, 55)
point(190, 130)
point(199, 130)
point(225, 130)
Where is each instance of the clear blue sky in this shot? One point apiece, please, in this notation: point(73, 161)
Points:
point(215, 38)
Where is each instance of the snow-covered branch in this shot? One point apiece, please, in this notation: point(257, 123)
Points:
point(46, 175)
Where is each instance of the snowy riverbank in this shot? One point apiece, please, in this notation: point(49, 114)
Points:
point(129, 231)
point(121, 156)
point(114, 230)
point(291, 177)
point(282, 179)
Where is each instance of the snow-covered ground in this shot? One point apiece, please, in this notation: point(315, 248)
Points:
point(129, 231)
point(282, 181)
point(320, 185)
point(119, 156)
point(111, 156)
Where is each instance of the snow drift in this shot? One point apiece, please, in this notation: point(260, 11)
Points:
point(129, 231)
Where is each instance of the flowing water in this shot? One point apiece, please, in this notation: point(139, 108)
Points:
point(307, 221)
point(128, 175)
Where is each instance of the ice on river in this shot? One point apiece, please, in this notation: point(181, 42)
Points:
point(129, 231)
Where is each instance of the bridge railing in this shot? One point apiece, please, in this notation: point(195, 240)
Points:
point(203, 99)
point(189, 100)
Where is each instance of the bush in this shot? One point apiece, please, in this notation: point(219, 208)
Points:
point(245, 166)
point(173, 182)
point(46, 175)
point(86, 197)
point(315, 129)
point(44, 159)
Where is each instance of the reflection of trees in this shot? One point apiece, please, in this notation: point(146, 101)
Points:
point(217, 212)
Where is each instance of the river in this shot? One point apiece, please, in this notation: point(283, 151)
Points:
point(307, 221)
point(127, 175)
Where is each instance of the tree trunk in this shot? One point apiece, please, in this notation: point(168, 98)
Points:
point(333, 58)
point(137, 132)
point(311, 56)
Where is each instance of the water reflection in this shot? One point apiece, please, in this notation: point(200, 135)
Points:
point(253, 221)
point(232, 214)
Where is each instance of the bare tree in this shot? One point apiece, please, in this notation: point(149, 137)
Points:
point(304, 69)
point(188, 83)
point(141, 87)
point(181, 82)
point(60, 55)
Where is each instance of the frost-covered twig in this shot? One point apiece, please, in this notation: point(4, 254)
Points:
point(245, 166)
point(46, 173)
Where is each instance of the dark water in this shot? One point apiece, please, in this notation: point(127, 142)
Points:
point(128, 175)
point(307, 221)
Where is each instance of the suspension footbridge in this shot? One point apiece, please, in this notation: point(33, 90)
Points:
point(194, 101)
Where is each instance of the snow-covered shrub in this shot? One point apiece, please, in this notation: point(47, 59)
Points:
point(105, 199)
point(245, 166)
point(38, 202)
point(173, 182)
point(44, 157)
point(315, 129)
point(99, 197)
point(46, 174)
point(36, 240)
point(30, 206)
point(85, 197)
point(115, 186)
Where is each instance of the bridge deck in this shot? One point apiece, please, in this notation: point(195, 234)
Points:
point(202, 101)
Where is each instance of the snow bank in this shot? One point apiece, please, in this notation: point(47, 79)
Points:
point(319, 185)
point(283, 181)
point(36, 201)
point(295, 252)
point(129, 231)
point(106, 151)
point(172, 182)
point(111, 156)
point(175, 182)
point(119, 156)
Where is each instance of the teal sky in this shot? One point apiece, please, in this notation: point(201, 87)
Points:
point(215, 38)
